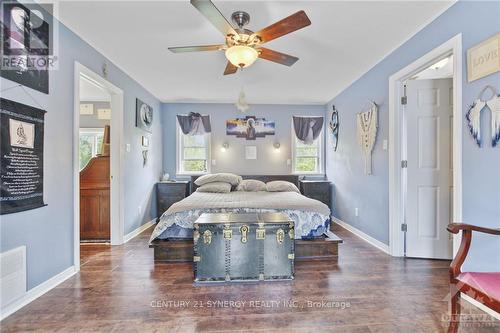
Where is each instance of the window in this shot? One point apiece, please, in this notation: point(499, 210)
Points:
point(193, 153)
point(90, 144)
point(307, 158)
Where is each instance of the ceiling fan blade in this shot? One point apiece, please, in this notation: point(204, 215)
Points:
point(183, 49)
point(230, 68)
point(208, 9)
point(280, 58)
point(287, 25)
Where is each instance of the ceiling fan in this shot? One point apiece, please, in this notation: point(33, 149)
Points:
point(244, 46)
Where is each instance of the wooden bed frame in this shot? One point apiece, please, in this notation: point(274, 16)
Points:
point(319, 248)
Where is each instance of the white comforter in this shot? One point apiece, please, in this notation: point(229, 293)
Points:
point(307, 213)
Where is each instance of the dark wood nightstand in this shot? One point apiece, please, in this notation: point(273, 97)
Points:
point(168, 193)
point(317, 189)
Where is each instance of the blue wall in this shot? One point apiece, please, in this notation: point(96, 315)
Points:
point(481, 178)
point(48, 232)
point(269, 161)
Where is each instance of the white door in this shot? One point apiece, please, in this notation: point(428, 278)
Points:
point(429, 115)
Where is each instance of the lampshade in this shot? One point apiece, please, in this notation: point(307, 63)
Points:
point(241, 55)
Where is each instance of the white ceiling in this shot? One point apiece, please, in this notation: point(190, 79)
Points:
point(344, 41)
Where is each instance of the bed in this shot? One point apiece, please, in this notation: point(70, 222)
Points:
point(311, 217)
point(172, 236)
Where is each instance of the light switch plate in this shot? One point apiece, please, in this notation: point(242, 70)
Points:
point(288, 162)
point(384, 144)
point(127, 147)
point(214, 162)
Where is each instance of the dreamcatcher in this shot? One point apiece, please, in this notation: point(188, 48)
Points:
point(367, 132)
point(334, 126)
point(473, 116)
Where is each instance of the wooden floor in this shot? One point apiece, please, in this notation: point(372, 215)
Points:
point(121, 289)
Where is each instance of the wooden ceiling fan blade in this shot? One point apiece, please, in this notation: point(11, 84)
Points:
point(287, 25)
point(230, 68)
point(212, 13)
point(278, 57)
point(182, 49)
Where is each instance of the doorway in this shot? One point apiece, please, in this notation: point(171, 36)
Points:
point(425, 153)
point(97, 160)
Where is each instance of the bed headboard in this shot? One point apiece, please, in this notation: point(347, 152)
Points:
point(265, 178)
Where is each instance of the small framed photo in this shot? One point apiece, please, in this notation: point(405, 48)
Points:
point(143, 115)
point(251, 152)
point(145, 141)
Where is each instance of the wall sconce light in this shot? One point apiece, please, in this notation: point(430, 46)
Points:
point(224, 147)
point(277, 146)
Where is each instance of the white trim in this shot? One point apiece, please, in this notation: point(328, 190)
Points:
point(38, 291)
point(481, 306)
point(116, 164)
point(369, 239)
point(452, 46)
point(138, 231)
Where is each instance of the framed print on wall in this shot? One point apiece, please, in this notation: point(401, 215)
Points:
point(143, 115)
point(484, 58)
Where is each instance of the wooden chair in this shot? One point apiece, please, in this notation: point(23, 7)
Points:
point(484, 287)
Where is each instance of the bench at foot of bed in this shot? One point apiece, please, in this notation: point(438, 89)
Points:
point(314, 249)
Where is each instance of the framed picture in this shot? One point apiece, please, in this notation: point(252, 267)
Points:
point(484, 58)
point(104, 114)
point(250, 127)
point(251, 152)
point(143, 115)
point(26, 53)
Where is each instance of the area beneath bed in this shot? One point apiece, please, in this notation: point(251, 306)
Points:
point(314, 249)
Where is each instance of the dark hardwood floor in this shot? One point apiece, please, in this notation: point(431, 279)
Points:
point(121, 289)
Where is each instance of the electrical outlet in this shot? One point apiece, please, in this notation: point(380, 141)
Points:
point(127, 147)
point(384, 144)
point(214, 162)
point(288, 162)
point(356, 211)
point(139, 209)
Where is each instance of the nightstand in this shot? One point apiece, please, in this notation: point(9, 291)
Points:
point(168, 193)
point(317, 189)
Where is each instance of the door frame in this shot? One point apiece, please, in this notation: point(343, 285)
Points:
point(116, 160)
point(450, 47)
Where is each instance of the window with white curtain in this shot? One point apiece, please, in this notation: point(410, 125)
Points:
point(193, 153)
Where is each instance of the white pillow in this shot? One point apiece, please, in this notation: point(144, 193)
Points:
point(218, 177)
point(251, 185)
point(215, 187)
point(281, 186)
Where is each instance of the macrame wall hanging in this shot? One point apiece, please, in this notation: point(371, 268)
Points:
point(473, 116)
point(367, 132)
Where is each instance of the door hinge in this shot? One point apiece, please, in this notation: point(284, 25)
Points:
point(404, 227)
point(404, 164)
point(404, 98)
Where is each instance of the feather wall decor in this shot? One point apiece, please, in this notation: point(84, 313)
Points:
point(473, 116)
point(367, 124)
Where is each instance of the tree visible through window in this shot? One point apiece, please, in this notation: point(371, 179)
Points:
point(307, 158)
point(90, 144)
point(193, 153)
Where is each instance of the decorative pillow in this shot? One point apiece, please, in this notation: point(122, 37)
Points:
point(281, 186)
point(215, 187)
point(251, 185)
point(218, 177)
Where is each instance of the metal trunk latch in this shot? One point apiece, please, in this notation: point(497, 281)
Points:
point(280, 236)
point(228, 233)
point(207, 237)
point(244, 233)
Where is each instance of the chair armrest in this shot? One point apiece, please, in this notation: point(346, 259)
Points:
point(456, 227)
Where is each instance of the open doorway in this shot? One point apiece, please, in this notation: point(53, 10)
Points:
point(425, 153)
point(94, 161)
point(97, 160)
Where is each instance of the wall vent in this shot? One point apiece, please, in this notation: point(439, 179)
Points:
point(12, 275)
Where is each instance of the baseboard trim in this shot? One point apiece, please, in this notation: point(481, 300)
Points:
point(480, 306)
point(372, 241)
point(37, 291)
point(138, 231)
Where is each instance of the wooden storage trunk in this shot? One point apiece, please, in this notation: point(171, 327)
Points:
point(243, 247)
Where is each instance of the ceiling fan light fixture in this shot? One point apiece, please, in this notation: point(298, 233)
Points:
point(241, 55)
